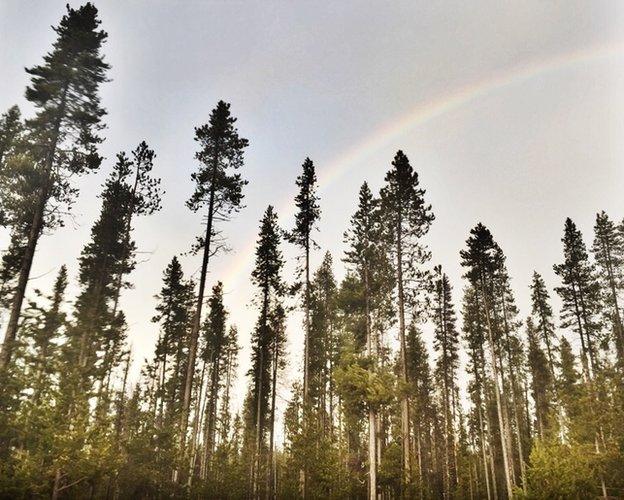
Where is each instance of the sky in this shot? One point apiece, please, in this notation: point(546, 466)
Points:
point(511, 113)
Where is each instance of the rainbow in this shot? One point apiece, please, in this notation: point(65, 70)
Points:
point(418, 116)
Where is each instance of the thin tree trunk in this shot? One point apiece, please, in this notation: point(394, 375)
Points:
point(260, 383)
point(484, 454)
point(405, 423)
point(372, 424)
point(501, 422)
point(33, 238)
point(200, 411)
point(194, 335)
point(272, 475)
point(303, 476)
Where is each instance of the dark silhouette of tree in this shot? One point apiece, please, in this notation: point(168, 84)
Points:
point(543, 317)
point(266, 275)
point(306, 218)
point(482, 261)
point(608, 250)
point(446, 345)
point(580, 295)
point(407, 218)
point(62, 135)
point(541, 381)
point(219, 188)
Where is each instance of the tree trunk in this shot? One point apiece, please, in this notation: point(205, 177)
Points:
point(372, 424)
point(303, 476)
point(194, 335)
point(405, 424)
point(272, 475)
point(33, 238)
point(495, 374)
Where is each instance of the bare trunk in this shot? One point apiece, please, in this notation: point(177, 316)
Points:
point(405, 424)
point(194, 336)
point(303, 476)
point(484, 454)
point(272, 474)
point(495, 374)
point(200, 411)
point(372, 424)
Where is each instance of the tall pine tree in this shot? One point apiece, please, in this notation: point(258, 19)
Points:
point(63, 133)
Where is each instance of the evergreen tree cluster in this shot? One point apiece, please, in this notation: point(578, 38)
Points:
point(405, 391)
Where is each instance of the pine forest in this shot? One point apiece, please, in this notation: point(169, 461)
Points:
point(405, 383)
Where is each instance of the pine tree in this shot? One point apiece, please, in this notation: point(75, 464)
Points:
point(19, 180)
point(543, 317)
point(63, 134)
point(541, 381)
point(407, 219)
point(446, 345)
point(306, 218)
point(323, 327)
point(11, 130)
point(423, 412)
point(173, 313)
point(45, 338)
point(366, 256)
point(513, 356)
point(219, 187)
point(482, 262)
point(277, 326)
point(215, 344)
point(580, 295)
point(608, 250)
point(145, 197)
point(266, 276)
point(476, 339)
point(107, 255)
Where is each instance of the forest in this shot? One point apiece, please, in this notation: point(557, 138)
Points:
point(505, 404)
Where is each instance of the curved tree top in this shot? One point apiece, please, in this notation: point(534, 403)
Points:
point(64, 91)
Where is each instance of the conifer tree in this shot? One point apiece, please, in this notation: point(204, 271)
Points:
point(482, 263)
point(103, 258)
point(608, 250)
point(366, 256)
point(145, 197)
point(45, 338)
point(19, 180)
point(173, 313)
point(423, 413)
point(541, 380)
point(543, 317)
point(214, 346)
point(306, 219)
point(11, 129)
point(446, 345)
point(62, 135)
point(266, 275)
point(219, 188)
point(407, 219)
point(476, 339)
point(323, 325)
point(580, 296)
point(278, 341)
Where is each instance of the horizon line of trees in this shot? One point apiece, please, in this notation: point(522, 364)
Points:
point(375, 414)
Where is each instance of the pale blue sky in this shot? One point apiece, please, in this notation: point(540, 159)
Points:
point(320, 79)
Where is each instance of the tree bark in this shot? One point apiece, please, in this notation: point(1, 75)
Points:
point(194, 336)
point(495, 374)
point(33, 238)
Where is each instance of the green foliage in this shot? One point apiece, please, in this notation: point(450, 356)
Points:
point(562, 471)
point(362, 386)
point(541, 416)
